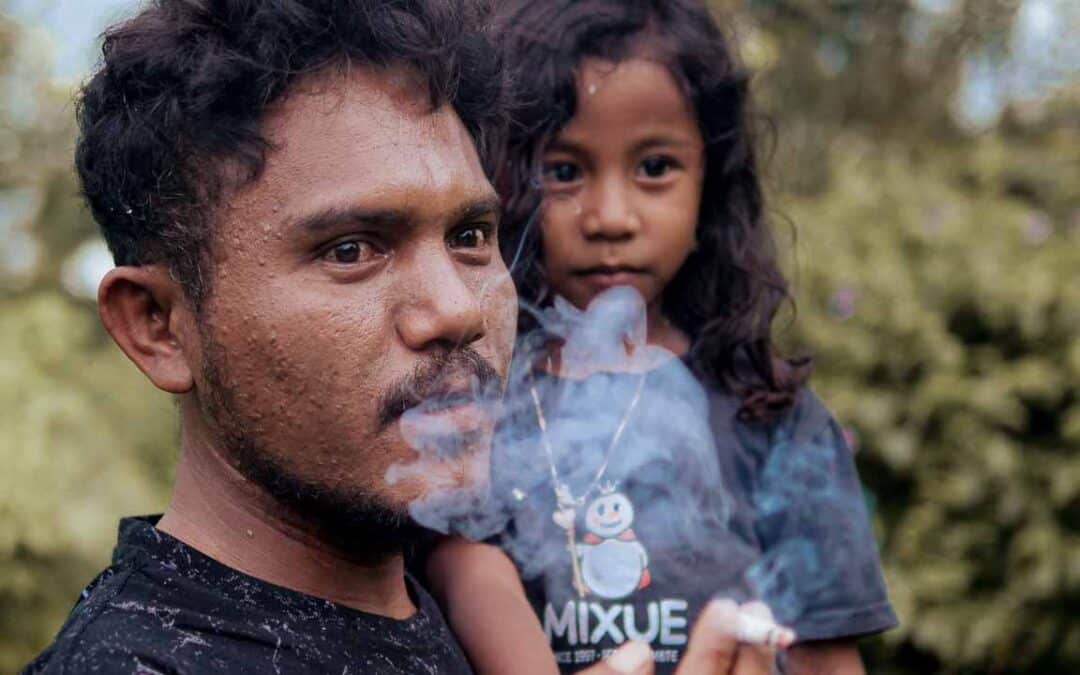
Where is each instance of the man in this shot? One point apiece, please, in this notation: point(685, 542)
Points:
point(306, 250)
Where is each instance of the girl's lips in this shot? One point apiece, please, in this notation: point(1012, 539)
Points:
point(606, 278)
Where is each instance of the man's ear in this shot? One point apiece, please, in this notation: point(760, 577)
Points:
point(145, 311)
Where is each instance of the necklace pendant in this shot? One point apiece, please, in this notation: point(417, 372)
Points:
point(564, 497)
point(565, 510)
point(564, 518)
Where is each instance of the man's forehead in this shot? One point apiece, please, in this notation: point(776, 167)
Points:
point(379, 89)
point(366, 137)
point(332, 115)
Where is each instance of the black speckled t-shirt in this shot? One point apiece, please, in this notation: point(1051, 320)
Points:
point(163, 607)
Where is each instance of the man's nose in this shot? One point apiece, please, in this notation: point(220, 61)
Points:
point(610, 215)
point(444, 312)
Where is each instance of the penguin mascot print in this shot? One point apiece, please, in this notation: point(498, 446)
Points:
point(614, 564)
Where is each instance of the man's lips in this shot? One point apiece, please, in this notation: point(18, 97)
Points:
point(439, 386)
point(452, 393)
point(453, 412)
point(447, 400)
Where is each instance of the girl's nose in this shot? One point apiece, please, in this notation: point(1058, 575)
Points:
point(610, 216)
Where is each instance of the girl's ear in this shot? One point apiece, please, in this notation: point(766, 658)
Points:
point(145, 311)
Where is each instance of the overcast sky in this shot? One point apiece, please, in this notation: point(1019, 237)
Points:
point(74, 26)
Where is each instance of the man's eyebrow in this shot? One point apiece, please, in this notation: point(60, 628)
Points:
point(477, 209)
point(330, 218)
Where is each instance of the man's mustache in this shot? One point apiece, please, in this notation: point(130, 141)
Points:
point(441, 378)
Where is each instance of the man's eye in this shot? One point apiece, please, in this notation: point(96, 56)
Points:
point(349, 252)
point(656, 167)
point(471, 237)
point(562, 172)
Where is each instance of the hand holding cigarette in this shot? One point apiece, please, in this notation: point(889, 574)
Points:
point(727, 639)
point(756, 626)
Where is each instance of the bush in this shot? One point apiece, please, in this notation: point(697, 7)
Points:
point(937, 288)
point(86, 438)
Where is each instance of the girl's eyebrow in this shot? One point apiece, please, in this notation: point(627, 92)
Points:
point(563, 145)
point(659, 140)
point(651, 141)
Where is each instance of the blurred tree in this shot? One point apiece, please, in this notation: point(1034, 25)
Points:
point(85, 437)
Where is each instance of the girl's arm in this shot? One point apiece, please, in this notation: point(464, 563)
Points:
point(478, 587)
point(827, 657)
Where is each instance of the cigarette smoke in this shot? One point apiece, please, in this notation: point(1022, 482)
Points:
point(668, 453)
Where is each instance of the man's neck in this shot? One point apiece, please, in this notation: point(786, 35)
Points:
point(218, 512)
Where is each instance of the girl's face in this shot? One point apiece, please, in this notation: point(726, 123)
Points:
point(622, 183)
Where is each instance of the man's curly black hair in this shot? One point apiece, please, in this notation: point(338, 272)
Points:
point(170, 120)
point(727, 293)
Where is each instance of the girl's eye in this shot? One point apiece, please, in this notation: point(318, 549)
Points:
point(562, 172)
point(656, 167)
point(471, 237)
point(350, 252)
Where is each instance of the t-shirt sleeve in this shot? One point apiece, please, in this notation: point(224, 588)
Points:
point(111, 643)
point(104, 660)
point(820, 570)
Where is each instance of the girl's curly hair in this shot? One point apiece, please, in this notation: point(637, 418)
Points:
point(728, 291)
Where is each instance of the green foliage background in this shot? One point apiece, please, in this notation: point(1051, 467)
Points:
point(935, 272)
point(83, 436)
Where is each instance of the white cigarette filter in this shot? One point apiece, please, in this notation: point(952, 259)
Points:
point(758, 630)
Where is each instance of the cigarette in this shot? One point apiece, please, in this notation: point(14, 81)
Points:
point(757, 630)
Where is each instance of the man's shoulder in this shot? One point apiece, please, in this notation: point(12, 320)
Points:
point(121, 624)
point(87, 638)
point(103, 648)
point(141, 616)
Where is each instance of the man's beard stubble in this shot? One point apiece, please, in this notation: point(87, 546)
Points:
point(356, 521)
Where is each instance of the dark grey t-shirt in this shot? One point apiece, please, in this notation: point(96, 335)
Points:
point(163, 607)
point(692, 504)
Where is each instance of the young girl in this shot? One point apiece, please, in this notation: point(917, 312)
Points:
point(634, 121)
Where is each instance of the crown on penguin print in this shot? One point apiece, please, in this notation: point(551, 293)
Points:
point(608, 487)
